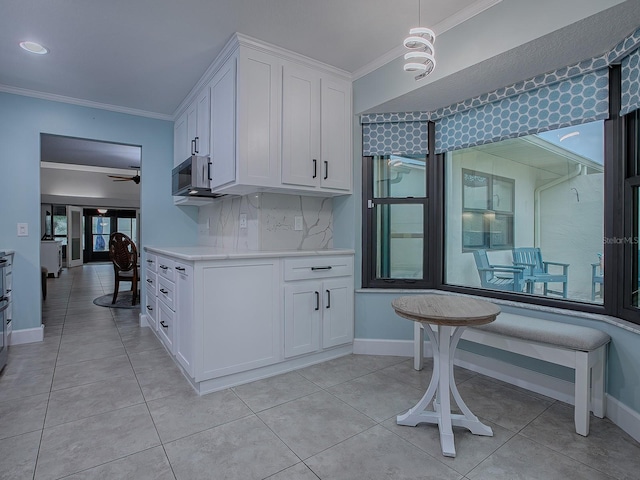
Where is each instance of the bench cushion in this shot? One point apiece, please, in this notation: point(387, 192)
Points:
point(573, 337)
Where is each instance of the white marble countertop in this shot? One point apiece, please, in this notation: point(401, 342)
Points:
point(199, 253)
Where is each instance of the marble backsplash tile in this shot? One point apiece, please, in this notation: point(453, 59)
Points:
point(270, 222)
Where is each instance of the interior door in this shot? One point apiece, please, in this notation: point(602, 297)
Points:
point(74, 236)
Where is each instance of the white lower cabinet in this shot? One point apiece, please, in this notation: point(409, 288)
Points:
point(184, 325)
point(166, 325)
point(318, 314)
point(233, 321)
point(237, 317)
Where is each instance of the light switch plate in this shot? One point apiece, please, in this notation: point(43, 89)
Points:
point(243, 220)
point(23, 229)
point(297, 222)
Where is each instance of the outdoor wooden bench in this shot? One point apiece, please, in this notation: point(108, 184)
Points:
point(580, 348)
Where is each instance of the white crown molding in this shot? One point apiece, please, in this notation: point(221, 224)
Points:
point(239, 40)
point(83, 103)
point(448, 23)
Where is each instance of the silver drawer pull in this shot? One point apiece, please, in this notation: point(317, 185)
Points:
point(162, 290)
point(164, 267)
point(180, 269)
point(149, 308)
point(313, 269)
point(164, 325)
point(149, 280)
point(149, 261)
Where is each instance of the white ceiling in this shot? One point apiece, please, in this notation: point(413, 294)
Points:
point(146, 55)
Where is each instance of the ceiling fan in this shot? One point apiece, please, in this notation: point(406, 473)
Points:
point(135, 178)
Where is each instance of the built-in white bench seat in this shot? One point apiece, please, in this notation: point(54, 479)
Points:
point(581, 348)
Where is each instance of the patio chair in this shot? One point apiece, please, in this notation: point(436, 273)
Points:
point(537, 270)
point(124, 256)
point(597, 278)
point(498, 277)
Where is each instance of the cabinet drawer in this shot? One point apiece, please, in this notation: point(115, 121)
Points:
point(166, 292)
point(166, 268)
point(166, 326)
point(151, 261)
point(305, 268)
point(151, 280)
point(150, 305)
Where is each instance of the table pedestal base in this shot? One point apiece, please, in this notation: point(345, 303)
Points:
point(442, 380)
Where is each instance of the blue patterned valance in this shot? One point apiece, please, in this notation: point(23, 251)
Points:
point(630, 86)
point(576, 100)
point(394, 133)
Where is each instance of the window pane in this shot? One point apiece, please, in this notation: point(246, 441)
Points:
point(399, 177)
point(60, 224)
point(475, 190)
point(400, 241)
point(635, 252)
point(100, 228)
point(538, 196)
point(502, 195)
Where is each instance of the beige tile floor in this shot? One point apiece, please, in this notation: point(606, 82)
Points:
point(101, 399)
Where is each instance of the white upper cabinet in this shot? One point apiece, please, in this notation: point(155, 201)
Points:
point(316, 129)
point(245, 116)
point(223, 125)
point(180, 140)
point(335, 127)
point(191, 130)
point(275, 120)
point(203, 111)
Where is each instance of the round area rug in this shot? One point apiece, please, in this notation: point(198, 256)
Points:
point(123, 300)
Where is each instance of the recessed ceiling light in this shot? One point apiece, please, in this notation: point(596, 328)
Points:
point(34, 47)
point(569, 135)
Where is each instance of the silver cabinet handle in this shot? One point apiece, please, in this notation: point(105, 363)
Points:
point(313, 269)
point(164, 325)
point(149, 280)
point(162, 290)
point(180, 269)
point(149, 308)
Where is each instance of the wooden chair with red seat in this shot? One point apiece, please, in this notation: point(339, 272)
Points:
point(124, 256)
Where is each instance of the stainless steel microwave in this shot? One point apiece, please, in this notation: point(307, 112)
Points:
point(192, 178)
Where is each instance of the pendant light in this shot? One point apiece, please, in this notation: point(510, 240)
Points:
point(421, 55)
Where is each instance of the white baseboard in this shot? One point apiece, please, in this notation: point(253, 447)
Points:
point(620, 414)
point(27, 335)
point(624, 417)
point(144, 320)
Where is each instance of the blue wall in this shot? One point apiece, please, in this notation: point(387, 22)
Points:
point(22, 119)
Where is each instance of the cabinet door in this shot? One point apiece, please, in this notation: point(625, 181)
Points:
point(223, 125)
point(300, 126)
point(202, 123)
point(239, 310)
point(335, 171)
point(192, 131)
point(165, 325)
point(259, 116)
point(302, 310)
point(337, 312)
point(184, 329)
point(150, 307)
point(180, 140)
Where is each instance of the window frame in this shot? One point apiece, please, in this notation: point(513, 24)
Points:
point(369, 226)
point(621, 177)
point(487, 232)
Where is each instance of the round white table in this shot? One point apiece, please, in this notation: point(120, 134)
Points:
point(449, 315)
